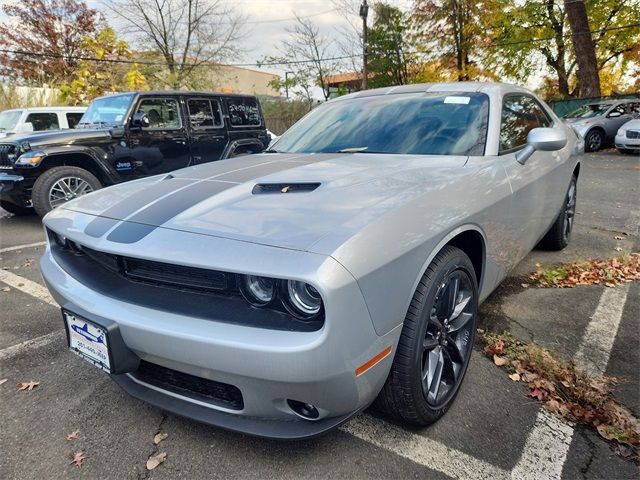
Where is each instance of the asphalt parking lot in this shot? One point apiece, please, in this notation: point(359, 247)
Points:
point(492, 431)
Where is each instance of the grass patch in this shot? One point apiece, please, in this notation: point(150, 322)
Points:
point(609, 272)
point(567, 391)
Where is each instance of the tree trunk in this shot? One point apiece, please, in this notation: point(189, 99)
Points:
point(588, 78)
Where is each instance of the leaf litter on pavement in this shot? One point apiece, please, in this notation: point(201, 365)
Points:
point(155, 460)
point(567, 391)
point(78, 458)
point(609, 272)
point(28, 386)
point(73, 435)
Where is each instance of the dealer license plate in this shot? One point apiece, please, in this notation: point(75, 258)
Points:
point(88, 340)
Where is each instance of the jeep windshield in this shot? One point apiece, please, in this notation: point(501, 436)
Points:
point(9, 120)
point(451, 123)
point(107, 111)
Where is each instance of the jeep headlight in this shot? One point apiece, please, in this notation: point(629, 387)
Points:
point(31, 158)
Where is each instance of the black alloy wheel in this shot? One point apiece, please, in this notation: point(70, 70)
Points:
point(594, 141)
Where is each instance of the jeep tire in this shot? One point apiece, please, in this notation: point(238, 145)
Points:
point(59, 185)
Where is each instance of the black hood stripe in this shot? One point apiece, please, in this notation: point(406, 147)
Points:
point(148, 219)
point(99, 226)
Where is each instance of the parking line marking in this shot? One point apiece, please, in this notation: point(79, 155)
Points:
point(423, 450)
point(20, 247)
point(32, 344)
point(27, 286)
point(548, 443)
point(593, 354)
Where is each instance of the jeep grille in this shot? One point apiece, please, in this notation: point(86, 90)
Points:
point(7, 150)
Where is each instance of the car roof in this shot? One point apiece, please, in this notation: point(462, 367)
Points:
point(161, 93)
point(613, 102)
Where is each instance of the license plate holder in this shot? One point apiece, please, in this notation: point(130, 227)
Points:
point(88, 340)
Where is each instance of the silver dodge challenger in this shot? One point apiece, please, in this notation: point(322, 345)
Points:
point(279, 294)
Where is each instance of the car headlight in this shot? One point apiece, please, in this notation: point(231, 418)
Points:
point(622, 132)
point(31, 158)
point(258, 291)
point(303, 299)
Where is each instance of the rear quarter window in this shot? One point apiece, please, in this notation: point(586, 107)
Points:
point(243, 112)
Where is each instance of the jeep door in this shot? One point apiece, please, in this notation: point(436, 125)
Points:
point(208, 135)
point(163, 146)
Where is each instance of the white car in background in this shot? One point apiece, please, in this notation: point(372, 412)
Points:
point(27, 120)
point(628, 137)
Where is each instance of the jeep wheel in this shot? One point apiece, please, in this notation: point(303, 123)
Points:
point(17, 210)
point(59, 185)
point(436, 342)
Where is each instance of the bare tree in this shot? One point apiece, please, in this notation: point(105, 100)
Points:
point(313, 53)
point(187, 34)
point(583, 44)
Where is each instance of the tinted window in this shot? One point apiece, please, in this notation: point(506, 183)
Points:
point(43, 121)
point(520, 115)
point(73, 119)
point(243, 112)
point(409, 123)
point(161, 112)
point(204, 113)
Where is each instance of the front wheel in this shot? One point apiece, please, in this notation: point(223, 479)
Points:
point(436, 342)
point(59, 185)
point(594, 141)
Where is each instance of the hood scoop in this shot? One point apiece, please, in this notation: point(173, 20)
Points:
point(271, 188)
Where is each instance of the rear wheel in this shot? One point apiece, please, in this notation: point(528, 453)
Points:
point(559, 234)
point(17, 210)
point(59, 185)
point(594, 141)
point(436, 342)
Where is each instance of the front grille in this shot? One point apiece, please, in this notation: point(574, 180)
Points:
point(7, 155)
point(210, 391)
point(633, 134)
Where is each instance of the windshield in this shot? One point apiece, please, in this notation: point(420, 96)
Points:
point(9, 119)
point(588, 111)
point(408, 123)
point(107, 111)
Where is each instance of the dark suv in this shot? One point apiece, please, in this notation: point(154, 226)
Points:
point(126, 136)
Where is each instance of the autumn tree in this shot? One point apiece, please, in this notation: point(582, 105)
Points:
point(390, 57)
point(43, 37)
point(187, 35)
point(106, 67)
point(584, 47)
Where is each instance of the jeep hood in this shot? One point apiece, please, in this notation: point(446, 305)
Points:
point(283, 200)
point(61, 137)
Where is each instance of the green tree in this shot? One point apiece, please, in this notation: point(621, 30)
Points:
point(389, 63)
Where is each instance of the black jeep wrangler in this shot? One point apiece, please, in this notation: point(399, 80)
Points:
point(126, 136)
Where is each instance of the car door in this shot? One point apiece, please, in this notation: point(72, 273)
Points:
point(537, 187)
point(163, 146)
point(208, 135)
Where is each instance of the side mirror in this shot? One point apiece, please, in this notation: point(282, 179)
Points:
point(543, 140)
point(26, 127)
point(614, 115)
point(140, 120)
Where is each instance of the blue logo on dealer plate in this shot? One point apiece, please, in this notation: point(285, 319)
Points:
point(84, 331)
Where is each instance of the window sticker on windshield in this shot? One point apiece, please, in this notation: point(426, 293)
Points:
point(118, 118)
point(458, 100)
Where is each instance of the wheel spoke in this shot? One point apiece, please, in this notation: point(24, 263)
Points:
point(460, 322)
point(429, 343)
point(453, 349)
point(454, 286)
point(435, 374)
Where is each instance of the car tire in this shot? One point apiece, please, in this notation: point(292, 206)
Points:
point(17, 210)
point(424, 354)
point(593, 140)
point(559, 234)
point(49, 189)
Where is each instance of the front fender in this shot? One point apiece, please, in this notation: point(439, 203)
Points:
point(80, 155)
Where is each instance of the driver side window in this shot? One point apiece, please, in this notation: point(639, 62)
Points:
point(520, 115)
point(163, 113)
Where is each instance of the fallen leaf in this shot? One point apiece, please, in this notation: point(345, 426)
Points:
point(155, 460)
point(515, 377)
point(618, 249)
point(28, 386)
point(6, 289)
point(159, 437)
point(3, 380)
point(78, 457)
point(619, 237)
point(538, 393)
point(285, 189)
point(73, 435)
point(499, 360)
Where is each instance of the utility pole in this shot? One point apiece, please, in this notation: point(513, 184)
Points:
point(364, 12)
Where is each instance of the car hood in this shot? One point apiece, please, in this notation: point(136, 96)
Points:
point(632, 124)
point(283, 200)
point(59, 137)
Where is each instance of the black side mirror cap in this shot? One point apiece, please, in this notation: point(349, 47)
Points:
point(140, 120)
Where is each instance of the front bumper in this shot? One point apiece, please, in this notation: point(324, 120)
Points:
point(622, 142)
point(14, 189)
point(267, 366)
